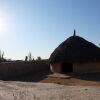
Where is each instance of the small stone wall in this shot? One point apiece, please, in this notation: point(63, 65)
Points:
point(13, 69)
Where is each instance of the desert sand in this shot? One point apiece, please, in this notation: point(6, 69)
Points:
point(12, 90)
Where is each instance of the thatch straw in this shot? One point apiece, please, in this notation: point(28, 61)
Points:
point(75, 49)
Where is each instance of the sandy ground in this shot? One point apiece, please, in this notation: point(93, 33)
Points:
point(92, 79)
point(46, 91)
point(76, 80)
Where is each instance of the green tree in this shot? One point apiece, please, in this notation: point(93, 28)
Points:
point(30, 56)
point(39, 58)
point(26, 58)
point(33, 59)
point(2, 56)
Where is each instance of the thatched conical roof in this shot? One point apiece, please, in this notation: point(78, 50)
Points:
point(75, 49)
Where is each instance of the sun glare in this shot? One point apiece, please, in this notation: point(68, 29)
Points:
point(3, 24)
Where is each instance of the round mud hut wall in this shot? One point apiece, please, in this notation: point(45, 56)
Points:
point(75, 55)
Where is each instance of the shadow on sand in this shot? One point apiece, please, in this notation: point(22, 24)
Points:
point(37, 77)
point(85, 76)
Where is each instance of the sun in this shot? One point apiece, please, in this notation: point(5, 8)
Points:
point(3, 24)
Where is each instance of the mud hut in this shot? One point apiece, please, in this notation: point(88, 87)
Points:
point(75, 55)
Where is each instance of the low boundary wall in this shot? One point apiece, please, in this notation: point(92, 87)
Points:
point(14, 69)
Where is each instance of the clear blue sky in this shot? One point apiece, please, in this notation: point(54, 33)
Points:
point(39, 26)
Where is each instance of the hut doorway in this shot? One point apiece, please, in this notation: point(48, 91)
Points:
point(67, 67)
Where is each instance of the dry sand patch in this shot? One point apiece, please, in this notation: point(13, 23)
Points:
point(46, 91)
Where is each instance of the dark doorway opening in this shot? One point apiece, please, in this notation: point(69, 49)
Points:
point(67, 67)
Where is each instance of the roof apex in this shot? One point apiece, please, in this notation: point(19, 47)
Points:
point(74, 33)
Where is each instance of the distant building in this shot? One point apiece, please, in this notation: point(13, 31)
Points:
point(75, 55)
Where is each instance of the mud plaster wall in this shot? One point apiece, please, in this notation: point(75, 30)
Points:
point(78, 67)
point(14, 69)
point(55, 68)
point(86, 67)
